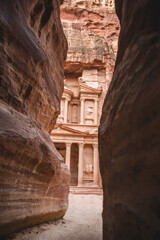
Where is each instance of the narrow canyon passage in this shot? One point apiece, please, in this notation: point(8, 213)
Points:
point(82, 221)
point(55, 70)
point(75, 105)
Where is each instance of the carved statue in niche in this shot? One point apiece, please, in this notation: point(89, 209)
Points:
point(88, 163)
point(89, 111)
point(89, 168)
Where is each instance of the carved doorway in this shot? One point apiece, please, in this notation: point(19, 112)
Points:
point(74, 164)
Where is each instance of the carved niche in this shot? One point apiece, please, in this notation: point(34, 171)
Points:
point(88, 163)
point(89, 112)
point(74, 112)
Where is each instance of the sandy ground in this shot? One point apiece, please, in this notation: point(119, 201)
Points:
point(82, 222)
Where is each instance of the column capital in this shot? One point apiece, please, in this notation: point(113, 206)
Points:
point(67, 99)
point(68, 144)
point(81, 145)
point(82, 99)
point(95, 145)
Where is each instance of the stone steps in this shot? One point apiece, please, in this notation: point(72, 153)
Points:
point(86, 190)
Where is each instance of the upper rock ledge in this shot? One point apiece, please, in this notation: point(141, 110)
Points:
point(92, 29)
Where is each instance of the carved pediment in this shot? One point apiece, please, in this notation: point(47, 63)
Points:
point(64, 130)
point(61, 129)
point(84, 88)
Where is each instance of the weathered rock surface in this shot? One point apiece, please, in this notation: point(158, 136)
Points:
point(92, 29)
point(129, 133)
point(33, 178)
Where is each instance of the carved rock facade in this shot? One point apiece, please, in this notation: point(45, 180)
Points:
point(75, 134)
point(129, 132)
point(91, 28)
point(33, 178)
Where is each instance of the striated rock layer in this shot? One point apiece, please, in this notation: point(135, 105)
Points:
point(33, 178)
point(92, 29)
point(129, 132)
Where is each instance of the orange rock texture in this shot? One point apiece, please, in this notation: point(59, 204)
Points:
point(34, 181)
point(129, 132)
point(91, 28)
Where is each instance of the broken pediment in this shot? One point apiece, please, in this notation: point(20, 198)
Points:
point(61, 129)
point(84, 88)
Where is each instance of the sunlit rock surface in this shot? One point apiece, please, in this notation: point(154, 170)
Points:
point(92, 29)
point(129, 133)
point(33, 179)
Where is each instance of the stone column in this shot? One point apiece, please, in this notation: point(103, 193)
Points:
point(95, 111)
point(65, 110)
point(82, 111)
point(68, 154)
point(80, 165)
point(96, 164)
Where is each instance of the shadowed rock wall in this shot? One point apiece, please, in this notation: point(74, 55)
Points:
point(33, 178)
point(129, 132)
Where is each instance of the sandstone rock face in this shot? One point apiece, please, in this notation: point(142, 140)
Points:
point(33, 178)
point(129, 132)
point(92, 29)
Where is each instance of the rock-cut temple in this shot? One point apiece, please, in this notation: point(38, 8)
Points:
point(91, 29)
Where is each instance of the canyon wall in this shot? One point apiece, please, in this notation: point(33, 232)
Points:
point(34, 181)
point(129, 132)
